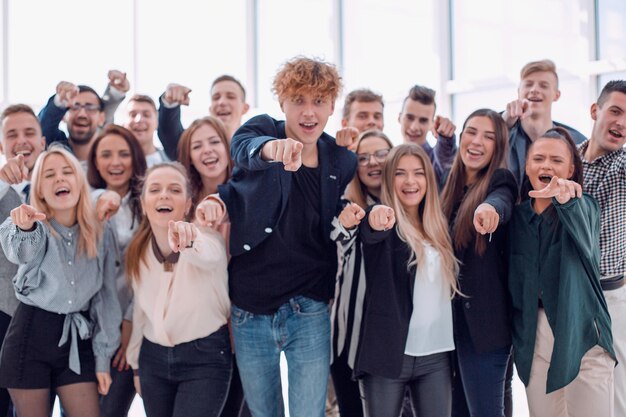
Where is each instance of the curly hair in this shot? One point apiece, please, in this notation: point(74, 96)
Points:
point(302, 75)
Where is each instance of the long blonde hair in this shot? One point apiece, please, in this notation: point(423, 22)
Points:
point(432, 225)
point(90, 227)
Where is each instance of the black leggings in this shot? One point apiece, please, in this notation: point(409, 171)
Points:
point(428, 379)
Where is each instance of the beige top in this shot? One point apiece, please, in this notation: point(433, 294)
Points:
point(187, 303)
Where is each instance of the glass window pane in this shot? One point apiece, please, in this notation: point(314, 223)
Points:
point(611, 29)
point(496, 38)
point(287, 28)
point(189, 44)
point(74, 40)
point(389, 47)
point(571, 108)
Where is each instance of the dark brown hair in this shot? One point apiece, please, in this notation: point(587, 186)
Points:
point(421, 94)
point(138, 163)
point(463, 231)
point(561, 134)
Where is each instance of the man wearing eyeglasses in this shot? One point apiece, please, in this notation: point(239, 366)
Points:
point(83, 110)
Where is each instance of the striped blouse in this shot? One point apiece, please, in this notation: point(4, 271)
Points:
point(53, 277)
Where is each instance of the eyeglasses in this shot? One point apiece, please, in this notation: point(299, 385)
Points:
point(379, 156)
point(89, 108)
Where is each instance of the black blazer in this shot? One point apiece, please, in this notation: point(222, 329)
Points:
point(257, 194)
point(487, 307)
point(388, 302)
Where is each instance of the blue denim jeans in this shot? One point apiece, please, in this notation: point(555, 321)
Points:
point(188, 380)
point(481, 377)
point(300, 329)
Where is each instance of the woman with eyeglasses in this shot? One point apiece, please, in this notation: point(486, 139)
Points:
point(371, 149)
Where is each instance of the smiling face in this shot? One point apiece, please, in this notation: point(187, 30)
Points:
point(59, 185)
point(547, 158)
point(142, 121)
point(83, 118)
point(114, 163)
point(21, 135)
point(410, 183)
point(365, 116)
point(370, 165)
point(208, 153)
point(165, 197)
point(416, 119)
point(477, 145)
point(609, 129)
point(541, 90)
point(306, 117)
point(227, 104)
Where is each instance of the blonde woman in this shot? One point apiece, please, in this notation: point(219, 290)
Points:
point(410, 269)
point(66, 328)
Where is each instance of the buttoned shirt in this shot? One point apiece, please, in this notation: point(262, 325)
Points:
point(605, 180)
point(554, 257)
point(54, 276)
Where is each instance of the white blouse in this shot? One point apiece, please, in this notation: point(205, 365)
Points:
point(430, 327)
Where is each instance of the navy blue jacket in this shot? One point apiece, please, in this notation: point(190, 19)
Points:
point(257, 194)
point(170, 129)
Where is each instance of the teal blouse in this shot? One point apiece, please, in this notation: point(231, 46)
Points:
point(555, 256)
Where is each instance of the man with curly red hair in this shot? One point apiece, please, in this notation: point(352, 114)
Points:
point(286, 188)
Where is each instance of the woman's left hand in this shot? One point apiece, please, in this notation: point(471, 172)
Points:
point(181, 235)
point(486, 219)
point(104, 382)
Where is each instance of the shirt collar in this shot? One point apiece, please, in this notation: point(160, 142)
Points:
point(66, 232)
point(172, 258)
point(603, 160)
point(530, 216)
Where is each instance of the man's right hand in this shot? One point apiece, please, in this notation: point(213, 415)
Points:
point(14, 171)
point(177, 94)
point(67, 93)
point(517, 109)
point(288, 151)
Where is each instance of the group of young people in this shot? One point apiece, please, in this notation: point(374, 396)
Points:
point(409, 275)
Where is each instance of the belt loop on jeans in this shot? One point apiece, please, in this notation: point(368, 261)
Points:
point(612, 282)
point(293, 303)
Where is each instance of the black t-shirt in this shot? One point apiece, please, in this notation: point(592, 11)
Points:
point(295, 259)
